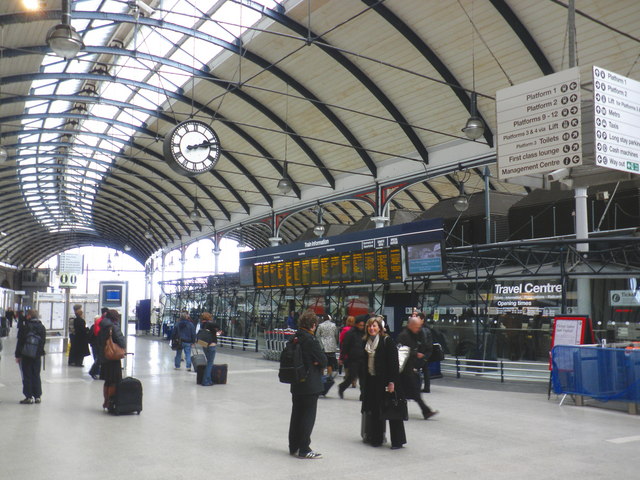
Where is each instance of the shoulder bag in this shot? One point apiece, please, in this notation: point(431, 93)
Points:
point(394, 407)
point(113, 351)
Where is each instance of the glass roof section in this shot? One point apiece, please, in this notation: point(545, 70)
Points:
point(70, 144)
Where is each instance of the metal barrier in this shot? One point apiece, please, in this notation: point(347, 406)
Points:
point(596, 372)
point(275, 340)
point(237, 342)
point(497, 369)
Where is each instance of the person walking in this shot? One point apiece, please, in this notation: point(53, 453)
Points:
point(352, 355)
point(80, 342)
point(327, 334)
point(209, 346)
point(411, 345)
point(379, 381)
point(10, 315)
point(110, 370)
point(304, 395)
point(186, 332)
point(426, 350)
point(29, 350)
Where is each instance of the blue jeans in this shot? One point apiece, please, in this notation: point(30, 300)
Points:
point(187, 353)
point(210, 353)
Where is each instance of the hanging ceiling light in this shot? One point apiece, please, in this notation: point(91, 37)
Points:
point(195, 213)
point(241, 243)
point(109, 265)
point(319, 228)
point(474, 128)
point(284, 184)
point(197, 255)
point(63, 38)
point(148, 234)
point(461, 203)
point(127, 247)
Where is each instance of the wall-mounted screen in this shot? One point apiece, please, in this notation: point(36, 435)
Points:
point(112, 295)
point(424, 258)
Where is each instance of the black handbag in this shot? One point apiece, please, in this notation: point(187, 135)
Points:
point(394, 407)
point(176, 343)
point(437, 355)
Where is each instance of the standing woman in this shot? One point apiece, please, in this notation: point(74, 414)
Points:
point(80, 344)
point(206, 320)
point(380, 379)
point(110, 370)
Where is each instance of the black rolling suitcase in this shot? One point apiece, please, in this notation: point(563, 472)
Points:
point(219, 373)
point(128, 397)
point(198, 362)
point(327, 382)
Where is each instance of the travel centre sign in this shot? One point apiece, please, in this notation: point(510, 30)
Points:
point(524, 295)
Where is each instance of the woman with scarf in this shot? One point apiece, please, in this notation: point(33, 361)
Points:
point(380, 380)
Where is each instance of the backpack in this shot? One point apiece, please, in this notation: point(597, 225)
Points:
point(292, 369)
point(31, 344)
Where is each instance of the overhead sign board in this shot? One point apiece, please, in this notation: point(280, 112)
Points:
point(539, 125)
point(68, 280)
point(70, 263)
point(616, 101)
point(624, 298)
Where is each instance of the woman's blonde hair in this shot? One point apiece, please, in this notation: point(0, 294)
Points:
point(371, 321)
point(351, 321)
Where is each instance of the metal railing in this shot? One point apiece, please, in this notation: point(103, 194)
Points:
point(238, 342)
point(496, 369)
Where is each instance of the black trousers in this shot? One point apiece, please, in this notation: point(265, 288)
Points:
point(427, 378)
point(411, 388)
point(31, 384)
point(374, 425)
point(353, 372)
point(303, 418)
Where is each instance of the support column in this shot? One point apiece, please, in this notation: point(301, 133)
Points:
point(380, 221)
point(582, 232)
point(275, 241)
point(216, 259)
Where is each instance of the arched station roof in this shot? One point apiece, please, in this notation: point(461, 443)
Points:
point(355, 96)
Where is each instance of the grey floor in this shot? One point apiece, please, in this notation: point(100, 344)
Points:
point(239, 430)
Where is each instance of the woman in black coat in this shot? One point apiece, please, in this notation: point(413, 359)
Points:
point(380, 379)
point(110, 370)
point(80, 341)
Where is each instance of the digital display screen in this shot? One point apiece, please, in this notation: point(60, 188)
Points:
point(424, 258)
point(112, 295)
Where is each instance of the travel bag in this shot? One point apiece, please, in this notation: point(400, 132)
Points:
point(128, 397)
point(219, 373)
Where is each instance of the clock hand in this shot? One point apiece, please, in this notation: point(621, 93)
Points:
point(202, 145)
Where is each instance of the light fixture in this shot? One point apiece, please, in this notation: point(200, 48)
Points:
point(116, 255)
point(109, 265)
point(474, 128)
point(284, 184)
point(461, 203)
point(197, 255)
point(148, 234)
point(195, 213)
point(63, 38)
point(319, 229)
point(241, 243)
point(171, 262)
point(127, 247)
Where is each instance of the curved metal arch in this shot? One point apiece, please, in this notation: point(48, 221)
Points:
point(431, 57)
point(145, 86)
point(351, 67)
point(138, 163)
point(523, 34)
point(162, 24)
point(54, 239)
point(134, 186)
point(205, 74)
point(103, 136)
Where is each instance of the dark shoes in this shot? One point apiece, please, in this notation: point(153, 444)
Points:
point(38, 400)
point(430, 414)
point(26, 401)
point(341, 393)
point(396, 447)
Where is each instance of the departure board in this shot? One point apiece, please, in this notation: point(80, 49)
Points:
point(288, 274)
point(305, 268)
point(335, 273)
point(369, 266)
point(260, 279)
point(382, 265)
point(346, 272)
point(325, 272)
point(280, 273)
point(358, 268)
point(315, 271)
point(395, 264)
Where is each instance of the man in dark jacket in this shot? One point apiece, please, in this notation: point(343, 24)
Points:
point(352, 354)
point(411, 344)
point(32, 330)
point(304, 395)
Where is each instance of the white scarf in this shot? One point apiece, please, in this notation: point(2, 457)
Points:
point(370, 348)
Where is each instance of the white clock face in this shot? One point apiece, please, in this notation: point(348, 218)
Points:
point(191, 148)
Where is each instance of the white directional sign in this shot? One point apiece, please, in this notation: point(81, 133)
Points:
point(616, 105)
point(70, 263)
point(539, 125)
